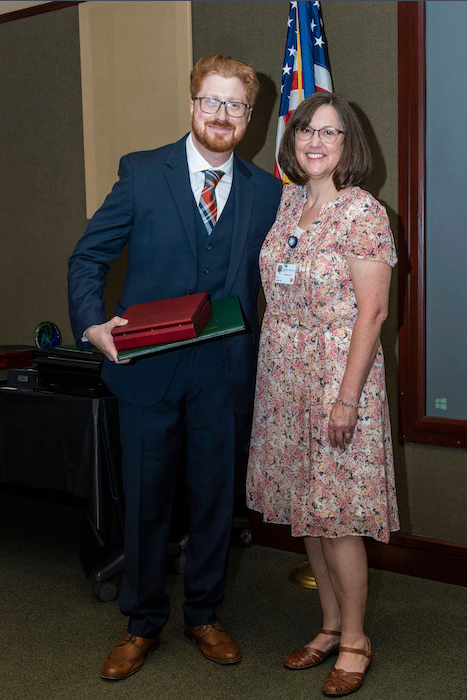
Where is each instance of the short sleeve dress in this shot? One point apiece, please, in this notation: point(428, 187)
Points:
point(294, 475)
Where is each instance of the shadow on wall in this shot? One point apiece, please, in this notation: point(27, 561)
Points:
point(378, 175)
point(255, 136)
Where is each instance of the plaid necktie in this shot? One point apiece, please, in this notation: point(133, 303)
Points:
point(207, 203)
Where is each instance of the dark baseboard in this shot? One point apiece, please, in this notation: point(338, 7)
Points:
point(420, 556)
point(277, 536)
point(407, 554)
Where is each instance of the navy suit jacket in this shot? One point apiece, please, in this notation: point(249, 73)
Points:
point(151, 210)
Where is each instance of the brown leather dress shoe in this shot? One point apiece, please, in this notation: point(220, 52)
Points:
point(214, 643)
point(307, 657)
point(127, 657)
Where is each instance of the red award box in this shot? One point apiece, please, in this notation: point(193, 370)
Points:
point(163, 321)
point(15, 356)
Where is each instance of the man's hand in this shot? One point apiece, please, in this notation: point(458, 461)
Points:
point(102, 339)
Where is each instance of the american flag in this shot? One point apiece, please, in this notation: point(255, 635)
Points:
point(306, 65)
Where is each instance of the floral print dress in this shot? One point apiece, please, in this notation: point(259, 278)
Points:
point(294, 475)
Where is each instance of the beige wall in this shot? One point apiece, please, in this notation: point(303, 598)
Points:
point(42, 180)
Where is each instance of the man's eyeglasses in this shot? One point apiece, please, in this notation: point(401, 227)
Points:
point(210, 105)
point(327, 135)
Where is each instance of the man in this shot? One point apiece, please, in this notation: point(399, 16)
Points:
point(205, 392)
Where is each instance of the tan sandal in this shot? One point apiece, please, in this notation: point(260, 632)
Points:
point(307, 657)
point(340, 682)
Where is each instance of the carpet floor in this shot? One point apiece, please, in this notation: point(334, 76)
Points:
point(55, 634)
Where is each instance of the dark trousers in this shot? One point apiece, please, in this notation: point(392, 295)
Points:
point(198, 402)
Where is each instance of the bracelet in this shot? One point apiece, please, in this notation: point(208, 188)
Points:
point(346, 403)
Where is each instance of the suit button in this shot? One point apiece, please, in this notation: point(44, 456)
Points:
point(189, 291)
point(206, 271)
point(209, 246)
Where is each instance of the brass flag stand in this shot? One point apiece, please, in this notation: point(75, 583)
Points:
point(302, 575)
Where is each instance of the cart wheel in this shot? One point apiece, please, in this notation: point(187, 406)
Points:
point(244, 538)
point(106, 591)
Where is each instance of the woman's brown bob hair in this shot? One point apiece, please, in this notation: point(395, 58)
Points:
point(355, 162)
point(227, 67)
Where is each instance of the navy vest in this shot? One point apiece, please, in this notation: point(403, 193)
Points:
point(214, 251)
point(213, 262)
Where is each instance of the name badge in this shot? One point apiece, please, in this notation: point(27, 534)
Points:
point(285, 274)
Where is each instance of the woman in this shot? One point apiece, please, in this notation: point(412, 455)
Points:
point(321, 452)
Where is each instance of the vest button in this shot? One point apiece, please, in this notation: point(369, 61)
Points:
point(209, 246)
point(206, 271)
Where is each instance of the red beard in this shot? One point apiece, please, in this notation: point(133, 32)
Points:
point(217, 143)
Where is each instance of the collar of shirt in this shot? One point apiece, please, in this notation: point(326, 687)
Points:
point(196, 165)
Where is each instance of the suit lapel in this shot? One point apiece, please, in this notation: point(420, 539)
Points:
point(244, 193)
point(178, 181)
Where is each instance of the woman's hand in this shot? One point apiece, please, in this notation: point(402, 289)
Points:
point(342, 422)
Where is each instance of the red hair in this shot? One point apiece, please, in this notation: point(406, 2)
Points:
point(226, 67)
